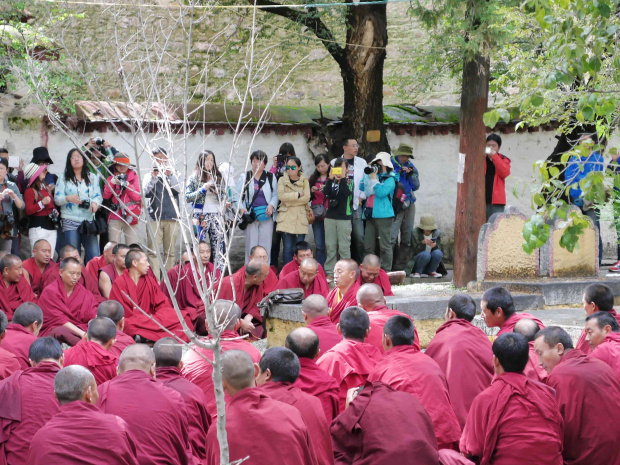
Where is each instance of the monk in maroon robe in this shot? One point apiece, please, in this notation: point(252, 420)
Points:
point(371, 272)
point(279, 369)
point(80, 432)
point(156, 415)
point(259, 253)
point(316, 315)
point(67, 306)
point(38, 264)
point(307, 278)
point(268, 418)
point(345, 292)
point(516, 418)
point(168, 353)
point(350, 361)
point(93, 352)
point(603, 335)
point(28, 401)
point(8, 360)
point(27, 322)
point(301, 251)
point(597, 297)
point(407, 369)
point(587, 392)
point(498, 310)
point(135, 289)
point(245, 287)
point(96, 264)
point(528, 328)
point(463, 352)
point(114, 311)
point(383, 426)
point(200, 371)
point(14, 288)
point(108, 273)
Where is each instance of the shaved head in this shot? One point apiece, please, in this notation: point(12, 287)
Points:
point(71, 383)
point(136, 357)
point(101, 329)
point(371, 261)
point(237, 369)
point(111, 309)
point(315, 305)
point(168, 352)
point(254, 267)
point(283, 364)
point(369, 296)
point(67, 251)
point(28, 313)
point(303, 342)
point(528, 328)
point(109, 246)
point(310, 264)
point(227, 313)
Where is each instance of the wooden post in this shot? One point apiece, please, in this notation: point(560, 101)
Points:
point(470, 199)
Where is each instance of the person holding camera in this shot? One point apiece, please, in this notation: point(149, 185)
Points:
point(9, 198)
point(78, 195)
point(338, 192)
point(427, 253)
point(258, 204)
point(496, 170)
point(378, 185)
point(42, 214)
point(294, 195)
point(123, 187)
point(278, 169)
point(318, 203)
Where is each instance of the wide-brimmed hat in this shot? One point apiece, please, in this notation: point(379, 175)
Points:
point(121, 159)
point(41, 155)
point(427, 223)
point(404, 150)
point(32, 171)
point(385, 159)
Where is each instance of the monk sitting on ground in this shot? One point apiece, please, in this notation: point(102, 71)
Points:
point(80, 432)
point(304, 343)
point(316, 315)
point(596, 298)
point(278, 371)
point(135, 290)
point(67, 306)
point(98, 263)
point(307, 278)
point(200, 371)
point(114, 311)
point(246, 288)
point(93, 352)
point(258, 252)
point(344, 294)
point(27, 322)
point(301, 251)
point(529, 328)
point(351, 360)
point(587, 392)
point(9, 362)
point(14, 288)
point(38, 264)
point(463, 352)
point(603, 335)
point(371, 272)
point(516, 418)
point(111, 271)
point(269, 419)
point(498, 310)
point(406, 368)
point(370, 298)
point(156, 415)
point(28, 400)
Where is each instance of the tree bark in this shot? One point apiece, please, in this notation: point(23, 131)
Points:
point(470, 200)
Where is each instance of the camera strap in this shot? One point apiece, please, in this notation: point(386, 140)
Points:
point(261, 183)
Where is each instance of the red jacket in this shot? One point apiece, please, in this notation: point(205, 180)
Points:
point(130, 196)
point(502, 171)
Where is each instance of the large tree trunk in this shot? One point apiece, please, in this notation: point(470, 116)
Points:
point(470, 200)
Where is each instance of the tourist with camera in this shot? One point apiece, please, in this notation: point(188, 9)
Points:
point(378, 184)
point(43, 218)
point(318, 203)
point(278, 169)
point(9, 198)
point(78, 195)
point(258, 203)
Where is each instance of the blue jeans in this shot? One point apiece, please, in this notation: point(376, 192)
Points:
point(90, 243)
point(427, 262)
point(318, 228)
point(289, 242)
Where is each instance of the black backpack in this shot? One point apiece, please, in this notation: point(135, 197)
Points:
point(398, 198)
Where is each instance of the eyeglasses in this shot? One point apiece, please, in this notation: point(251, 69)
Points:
point(289, 167)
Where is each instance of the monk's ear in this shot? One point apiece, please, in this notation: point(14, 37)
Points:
point(61, 361)
point(256, 370)
point(153, 370)
point(560, 348)
point(367, 333)
point(32, 363)
point(121, 323)
point(318, 354)
point(607, 329)
point(180, 365)
point(338, 328)
point(499, 312)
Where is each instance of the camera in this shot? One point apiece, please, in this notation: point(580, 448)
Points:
point(247, 218)
point(281, 158)
point(122, 181)
point(54, 218)
point(85, 204)
point(333, 203)
point(488, 150)
point(114, 207)
point(99, 141)
point(374, 168)
point(7, 220)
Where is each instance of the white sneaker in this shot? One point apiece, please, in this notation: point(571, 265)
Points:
point(414, 275)
point(435, 275)
point(424, 275)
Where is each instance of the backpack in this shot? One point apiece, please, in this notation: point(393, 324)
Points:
point(398, 198)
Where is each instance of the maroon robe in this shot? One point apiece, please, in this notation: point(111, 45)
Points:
point(293, 266)
point(452, 457)
point(509, 324)
point(31, 267)
point(94, 265)
point(81, 434)
point(156, 415)
point(292, 280)
point(383, 281)
point(16, 294)
point(17, 341)
point(122, 341)
point(199, 371)
point(512, 421)
point(383, 426)
point(533, 369)
point(607, 351)
point(587, 392)
point(100, 362)
point(32, 403)
point(9, 363)
point(463, 352)
point(111, 271)
point(148, 296)
point(326, 331)
point(270, 282)
point(378, 318)
point(195, 400)
point(336, 307)
point(188, 291)
point(407, 369)
point(582, 344)
point(349, 363)
point(314, 381)
point(269, 419)
point(90, 283)
point(312, 413)
point(247, 300)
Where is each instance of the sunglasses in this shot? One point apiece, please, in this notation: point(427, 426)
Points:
point(289, 167)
